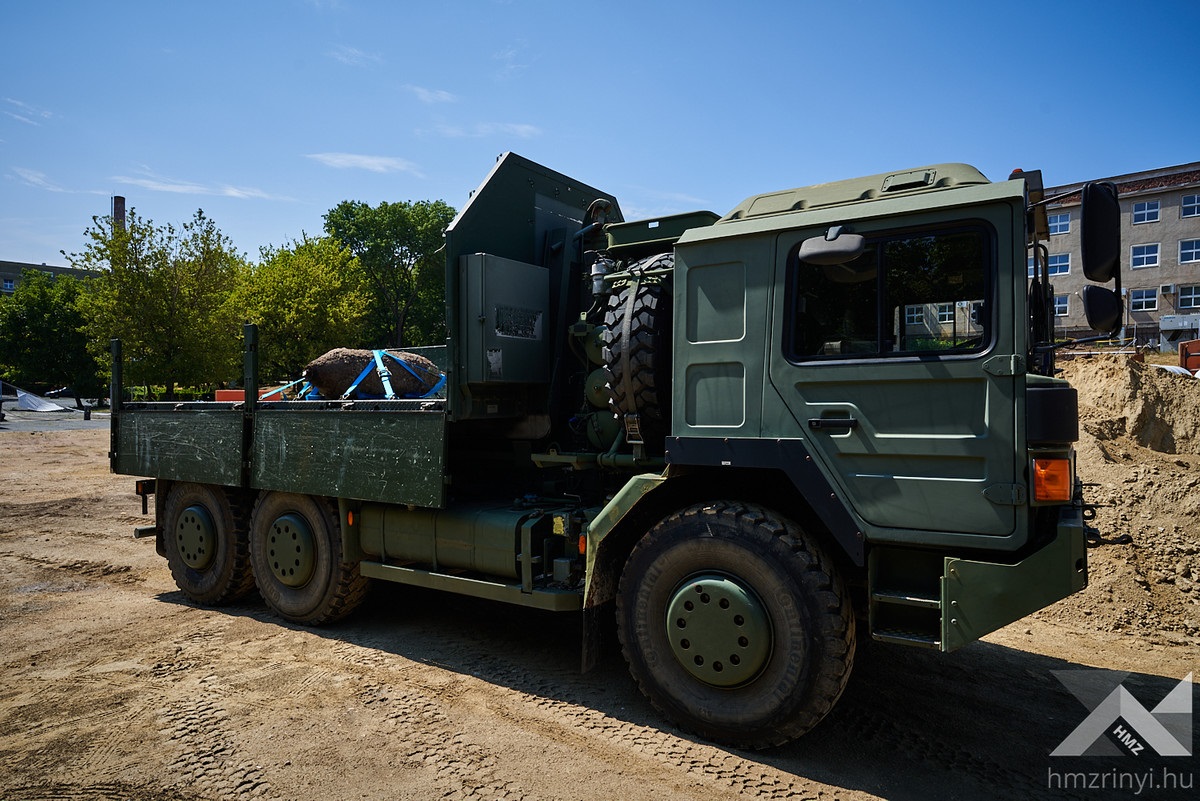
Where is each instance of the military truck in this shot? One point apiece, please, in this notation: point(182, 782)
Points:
point(756, 438)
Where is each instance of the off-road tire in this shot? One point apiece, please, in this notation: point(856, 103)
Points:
point(802, 670)
point(637, 350)
point(328, 589)
point(206, 544)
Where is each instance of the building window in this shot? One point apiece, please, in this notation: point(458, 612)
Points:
point(1060, 223)
point(1145, 212)
point(9, 284)
point(1143, 299)
point(1058, 264)
point(1191, 206)
point(945, 313)
point(1189, 251)
point(1188, 297)
point(1061, 304)
point(914, 315)
point(1144, 256)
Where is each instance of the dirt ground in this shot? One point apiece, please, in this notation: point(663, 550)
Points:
point(112, 686)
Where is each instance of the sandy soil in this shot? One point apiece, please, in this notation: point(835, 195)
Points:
point(112, 686)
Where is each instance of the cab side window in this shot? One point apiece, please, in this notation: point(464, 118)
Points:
point(926, 293)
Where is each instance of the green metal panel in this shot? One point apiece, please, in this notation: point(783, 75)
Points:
point(505, 321)
point(853, 190)
point(392, 456)
point(980, 597)
point(601, 586)
point(201, 446)
point(723, 291)
point(486, 540)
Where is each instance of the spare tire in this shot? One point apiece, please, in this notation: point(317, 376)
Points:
point(637, 350)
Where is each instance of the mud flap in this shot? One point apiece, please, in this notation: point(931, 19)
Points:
point(980, 597)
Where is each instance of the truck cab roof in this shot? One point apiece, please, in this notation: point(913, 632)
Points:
point(873, 187)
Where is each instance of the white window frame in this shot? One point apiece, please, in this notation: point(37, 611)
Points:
point(1147, 210)
point(1139, 298)
point(10, 284)
point(1062, 305)
point(1189, 206)
point(1059, 264)
point(1060, 223)
point(1147, 258)
point(1193, 246)
point(914, 315)
point(1188, 297)
point(945, 313)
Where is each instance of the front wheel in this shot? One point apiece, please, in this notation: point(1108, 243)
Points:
point(735, 624)
point(296, 548)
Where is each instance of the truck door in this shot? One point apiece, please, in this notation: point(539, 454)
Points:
point(897, 369)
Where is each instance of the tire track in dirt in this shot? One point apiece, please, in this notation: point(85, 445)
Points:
point(205, 756)
point(421, 732)
point(95, 792)
point(105, 571)
point(423, 716)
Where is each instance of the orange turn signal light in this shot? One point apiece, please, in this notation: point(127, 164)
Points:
point(1052, 480)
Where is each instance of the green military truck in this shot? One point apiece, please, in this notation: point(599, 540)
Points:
point(829, 414)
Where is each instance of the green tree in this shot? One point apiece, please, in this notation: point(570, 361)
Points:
point(306, 299)
point(42, 344)
point(398, 247)
point(163, 291)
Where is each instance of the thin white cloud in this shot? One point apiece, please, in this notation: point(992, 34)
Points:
point(38, 180)
point(512, 61)
point(359, 161)
point(353, 57)
point(431, 96)
point(483, 129)
point(157, 183)
point(30, 115)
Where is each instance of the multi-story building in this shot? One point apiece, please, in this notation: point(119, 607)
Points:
point(1160, 264)
point(10, 273)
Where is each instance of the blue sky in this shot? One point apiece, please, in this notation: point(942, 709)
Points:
point(267, 114)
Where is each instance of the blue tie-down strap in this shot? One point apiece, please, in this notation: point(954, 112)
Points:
point(385, 376)
point(437, 385)
point(306, 390)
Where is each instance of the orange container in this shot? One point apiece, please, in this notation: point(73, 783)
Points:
point(1189, 355)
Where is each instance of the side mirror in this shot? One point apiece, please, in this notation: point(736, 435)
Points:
point(1100, 231)
point(833, 248)
point(1102, 308)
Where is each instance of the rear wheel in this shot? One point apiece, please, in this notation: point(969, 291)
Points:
point(735, 625)
point(206, 545)
point(296, 548)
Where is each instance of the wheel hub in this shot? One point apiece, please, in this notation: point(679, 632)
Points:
point(291, 550)
point(197, 537)
point(719, 631)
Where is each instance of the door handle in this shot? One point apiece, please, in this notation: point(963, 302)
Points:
point(832, 422)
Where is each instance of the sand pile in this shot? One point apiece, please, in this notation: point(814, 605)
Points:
point(1140, 450)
